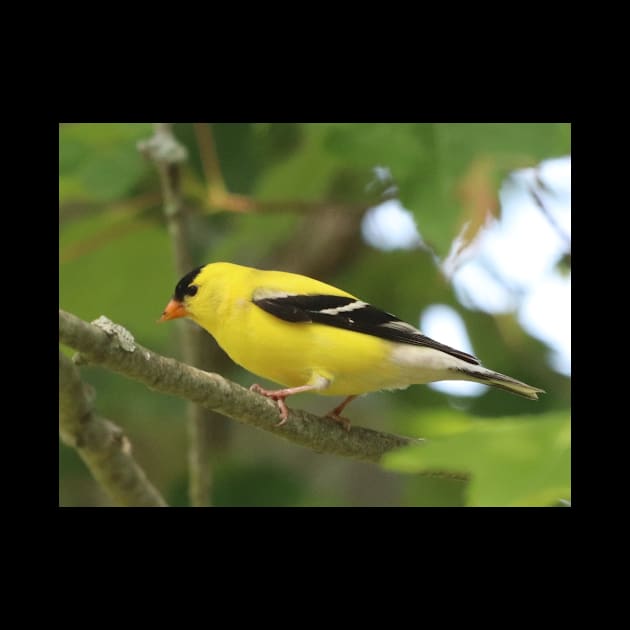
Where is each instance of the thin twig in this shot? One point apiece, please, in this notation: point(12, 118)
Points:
point(212, 391)
point(124, 209)
point(100, 443)
point(209, 159)
point(167, 154)
point(549, 216)
point(103, 237)
point(232, 202)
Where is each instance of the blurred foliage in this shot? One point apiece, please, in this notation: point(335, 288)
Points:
point(116, 260)
point(524, 462)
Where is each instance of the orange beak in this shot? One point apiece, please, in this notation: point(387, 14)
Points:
point(173, 310)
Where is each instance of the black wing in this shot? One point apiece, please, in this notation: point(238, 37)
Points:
point(351, 314)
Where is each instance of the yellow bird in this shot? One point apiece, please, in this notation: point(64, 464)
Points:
point(311, 336)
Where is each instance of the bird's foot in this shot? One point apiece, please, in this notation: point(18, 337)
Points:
point(344, 422)
point(278, 395)
point(335, 414)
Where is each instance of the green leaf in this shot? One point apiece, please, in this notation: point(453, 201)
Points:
point(512, 462)
point(304, 175)
point(100, 162)
point(422, 491)
point(448, 175)
point(465, 164)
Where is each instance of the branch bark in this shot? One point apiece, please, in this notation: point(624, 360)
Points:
point(100, 443)
point(214, 392)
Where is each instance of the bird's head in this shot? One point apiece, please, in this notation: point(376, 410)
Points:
point(185, 296)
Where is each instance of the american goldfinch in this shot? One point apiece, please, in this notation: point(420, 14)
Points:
point(311, 336)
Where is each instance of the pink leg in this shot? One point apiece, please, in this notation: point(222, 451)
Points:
point(280, 394)
point(335, 413)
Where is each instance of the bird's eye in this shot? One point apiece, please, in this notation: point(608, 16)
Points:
point(191, 290)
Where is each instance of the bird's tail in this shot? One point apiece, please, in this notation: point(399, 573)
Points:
point(500, 381)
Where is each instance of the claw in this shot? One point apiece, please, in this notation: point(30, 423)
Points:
point(340, 419)
point(335, 414)
point(278, 395)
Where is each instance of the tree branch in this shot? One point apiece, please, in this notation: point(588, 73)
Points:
point(101, 238)
point(209, 159)
point(233, 202)
point(220, 198)
point(212, 391)
point(167, 154)
point(122, 209)
point(100, 443)
point(540, 204)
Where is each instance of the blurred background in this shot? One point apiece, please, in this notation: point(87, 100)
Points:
point(460, 229)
